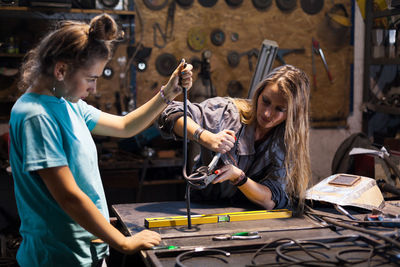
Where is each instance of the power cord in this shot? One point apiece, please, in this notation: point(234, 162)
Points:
point(200, 252)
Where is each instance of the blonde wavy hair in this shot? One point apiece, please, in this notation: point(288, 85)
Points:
point(295, 86)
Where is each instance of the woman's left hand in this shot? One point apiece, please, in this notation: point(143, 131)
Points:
point(227, 172)
point(181, 77)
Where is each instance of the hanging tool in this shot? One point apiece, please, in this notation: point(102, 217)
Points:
point(250, 54)
point(314, 70)
point(317, 50)
point(166, 35)
point(234, 57)
point(203, 87)
point(237, 236)
point(283, 52)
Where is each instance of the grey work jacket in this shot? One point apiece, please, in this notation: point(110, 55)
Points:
point(263, 163)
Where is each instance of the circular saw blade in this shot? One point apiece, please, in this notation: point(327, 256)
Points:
point(109, 3)
point(312, 7)
point(233, 59)
point(155, 4)
point(208, 3)
point(234, 3)
point(166, 64)
point(261, 4)
point(196, 39)
point(217, 37)
point(185, 3)
point(286, 5)
point(235, 89)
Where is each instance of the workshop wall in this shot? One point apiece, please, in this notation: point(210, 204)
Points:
point(291, 30)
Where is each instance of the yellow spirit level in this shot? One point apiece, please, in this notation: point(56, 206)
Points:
point(216, 218)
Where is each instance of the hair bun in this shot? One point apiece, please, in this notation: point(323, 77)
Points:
point(103, 27)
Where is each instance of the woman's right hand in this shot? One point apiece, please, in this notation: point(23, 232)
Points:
point(220, 142)
point(181, 77)
point(143, 240)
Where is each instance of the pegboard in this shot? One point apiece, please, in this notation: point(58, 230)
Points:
point(291, 30)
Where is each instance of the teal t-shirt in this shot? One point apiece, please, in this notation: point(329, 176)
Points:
point(46, 132)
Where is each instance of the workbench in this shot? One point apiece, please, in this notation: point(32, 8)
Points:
point(132, 218)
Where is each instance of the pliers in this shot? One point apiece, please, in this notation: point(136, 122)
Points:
point(237, 236)
point(315, 48)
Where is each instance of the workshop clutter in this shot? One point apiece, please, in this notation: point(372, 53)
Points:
point(385, 43)
point(357, 155)
point(335, 28)
point(221, 39)
point(385, 33)
point(348, 190)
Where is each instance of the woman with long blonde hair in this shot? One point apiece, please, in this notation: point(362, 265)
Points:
point(264, 141)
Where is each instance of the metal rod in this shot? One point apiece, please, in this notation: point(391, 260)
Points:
point(185, 157)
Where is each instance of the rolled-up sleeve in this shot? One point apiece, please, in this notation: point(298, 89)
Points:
point(277, 187)
point(214, 115)
point(275, 178)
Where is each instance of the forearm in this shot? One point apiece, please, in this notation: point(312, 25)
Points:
point(139, 119)
point(82, 210)
point(191, 126)
point(80, 207)
point(258, 193)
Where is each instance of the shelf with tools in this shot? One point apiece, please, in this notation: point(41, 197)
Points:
point(18, 55)
point(370, 99)
point(385, 61)
point(383, 108)
point(21, 27)
point(386, 13)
